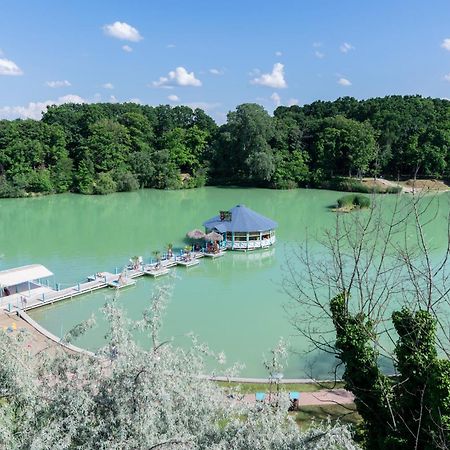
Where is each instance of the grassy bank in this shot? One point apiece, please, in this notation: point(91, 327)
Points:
point(365, 186)
point(251, 388)
point(308, 415)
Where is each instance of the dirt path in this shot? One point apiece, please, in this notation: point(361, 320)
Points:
point(34, 341)
point(410, 186)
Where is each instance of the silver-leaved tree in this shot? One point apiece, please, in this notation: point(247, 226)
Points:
point(127, 397)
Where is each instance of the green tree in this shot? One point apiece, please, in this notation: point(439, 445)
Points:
point(346, 145)
point(109, 144)
point(243, 150)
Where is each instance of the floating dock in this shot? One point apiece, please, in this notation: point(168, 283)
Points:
point(188, 262)
point(154, 272)
point(214, 255)
point(42, 295)
point(121, 283)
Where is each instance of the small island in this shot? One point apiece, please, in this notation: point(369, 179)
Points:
point(351, 202)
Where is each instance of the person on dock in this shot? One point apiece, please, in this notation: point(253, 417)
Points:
point(6, 291)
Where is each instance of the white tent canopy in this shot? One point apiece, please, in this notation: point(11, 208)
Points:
point(12, 277)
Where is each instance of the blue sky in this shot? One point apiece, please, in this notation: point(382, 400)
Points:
point(218, 54)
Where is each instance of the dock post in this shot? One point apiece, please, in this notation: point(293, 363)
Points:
point(57, 286)
point(116, 271)
point(43, 296)
point(79, 287)
point(104, 278)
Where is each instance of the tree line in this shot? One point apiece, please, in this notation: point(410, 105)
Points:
point(102, 148)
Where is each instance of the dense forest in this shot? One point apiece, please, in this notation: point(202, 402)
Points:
point(102, 148)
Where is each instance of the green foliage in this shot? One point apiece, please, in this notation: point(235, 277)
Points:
point(423, 387)
point(176, 147)
point(354, 201)
point(126, 181)
point(39, 181)
point(411, 410)
point(362, 375)
point(84, 179)
point(61, 174)
point(104, 184)
point(9, 189)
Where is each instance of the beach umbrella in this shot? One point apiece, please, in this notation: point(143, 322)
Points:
point(195, 234)
point(213, 236)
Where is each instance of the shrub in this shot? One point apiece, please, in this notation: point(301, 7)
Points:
point(126, 182)
point(104, 184)
point(361, 201)
point(9, 189)
point(39, 181)
point(393, 190)
point(354, 201)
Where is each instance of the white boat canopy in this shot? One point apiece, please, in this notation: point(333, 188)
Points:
point(12, 277)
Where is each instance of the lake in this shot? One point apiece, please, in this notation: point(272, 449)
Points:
point(234, 304)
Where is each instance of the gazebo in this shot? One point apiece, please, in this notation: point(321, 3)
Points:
point(22, 283)
point(242, 229)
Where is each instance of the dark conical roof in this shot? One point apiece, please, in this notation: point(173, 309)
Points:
point(243, 219)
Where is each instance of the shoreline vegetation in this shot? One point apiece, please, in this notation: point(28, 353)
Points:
point(346, 145)
point(352, 202)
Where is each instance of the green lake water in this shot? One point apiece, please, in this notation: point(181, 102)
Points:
point(234, 304)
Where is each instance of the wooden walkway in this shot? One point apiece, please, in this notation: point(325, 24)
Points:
point(45, 295)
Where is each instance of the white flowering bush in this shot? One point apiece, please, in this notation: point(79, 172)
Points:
point(131, 398)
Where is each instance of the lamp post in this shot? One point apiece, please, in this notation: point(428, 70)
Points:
point(276, 378)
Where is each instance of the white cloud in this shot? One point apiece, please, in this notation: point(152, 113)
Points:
point(108, 86)
point(276, 99)
point(278, 53)
point(447, 77)
point(58, 83)
point(171, 46)
point(123, 31)
point(70, 98)
point(135, 100)
point(8, 67)
point(317, 44)
point(274, 79)
point(292, 101)
point(127, 48)
point(216, 71)
point(34, 110)
point(344, 82)
point(173, 98)
point(446, 44)
point(180, 76)
point(162, 83)
point(319, 55)
point(112, 99)
point(346, 47)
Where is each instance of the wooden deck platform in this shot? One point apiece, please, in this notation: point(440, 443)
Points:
point(120, 284)
point(188, 263)
point(154, 272)
point(45, 295)
point(214, 255)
